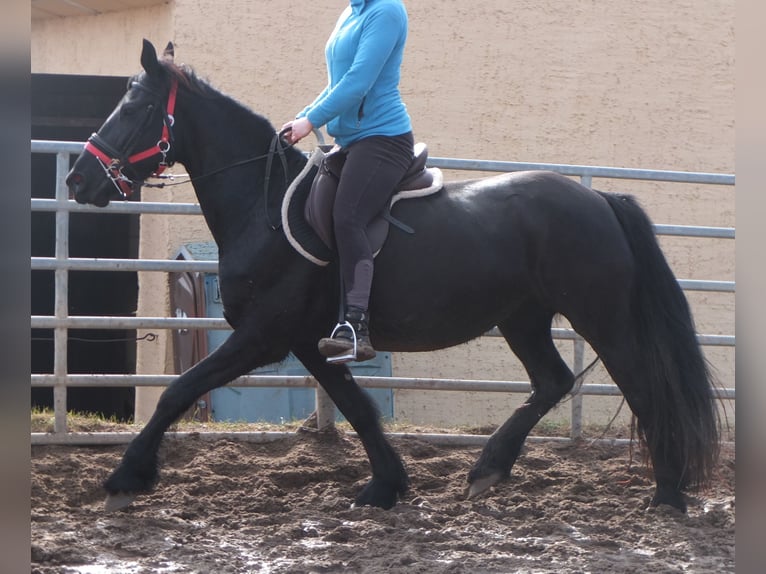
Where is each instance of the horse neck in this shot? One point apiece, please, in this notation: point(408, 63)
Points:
point(213, 133)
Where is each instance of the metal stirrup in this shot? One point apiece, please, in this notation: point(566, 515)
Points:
point(345, 357)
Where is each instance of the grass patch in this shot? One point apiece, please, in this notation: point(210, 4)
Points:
point(42, 422)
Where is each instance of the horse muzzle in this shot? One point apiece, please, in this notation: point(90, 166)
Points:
point(83, 193)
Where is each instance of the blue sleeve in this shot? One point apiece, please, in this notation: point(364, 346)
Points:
point(318, 99)
point(377, 41)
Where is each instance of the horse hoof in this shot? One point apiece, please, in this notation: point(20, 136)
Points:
point(118, 501)
point(378, 493)
point(482, 484)
point(668, 496)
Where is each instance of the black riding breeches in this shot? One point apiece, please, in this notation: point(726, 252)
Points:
point(373, 167)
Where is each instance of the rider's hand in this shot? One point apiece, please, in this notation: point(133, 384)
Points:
point(297, 129)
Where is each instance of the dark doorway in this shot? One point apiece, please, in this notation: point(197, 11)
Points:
point(70, 108)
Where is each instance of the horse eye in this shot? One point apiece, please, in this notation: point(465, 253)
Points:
point(127, 111)
point(150, 108)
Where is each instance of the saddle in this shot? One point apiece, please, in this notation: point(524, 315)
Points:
point(307, 211)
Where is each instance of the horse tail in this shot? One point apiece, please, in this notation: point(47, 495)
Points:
point(680, 424)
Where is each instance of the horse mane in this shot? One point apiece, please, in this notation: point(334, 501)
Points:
point(190, 80)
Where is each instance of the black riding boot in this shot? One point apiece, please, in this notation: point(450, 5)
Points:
point(339, 347)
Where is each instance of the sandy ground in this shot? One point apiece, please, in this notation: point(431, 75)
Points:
point(284, 507)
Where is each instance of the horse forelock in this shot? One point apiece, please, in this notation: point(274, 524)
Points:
point(182, 73)
point(185, 76)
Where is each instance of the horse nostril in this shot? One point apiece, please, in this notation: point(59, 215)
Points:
point(74, 179)
point(74, 182)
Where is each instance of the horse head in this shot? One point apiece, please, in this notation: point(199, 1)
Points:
point(135, 142)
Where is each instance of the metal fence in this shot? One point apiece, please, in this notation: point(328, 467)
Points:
point(60, 322)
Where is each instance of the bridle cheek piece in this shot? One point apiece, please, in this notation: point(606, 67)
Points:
point(114, 162)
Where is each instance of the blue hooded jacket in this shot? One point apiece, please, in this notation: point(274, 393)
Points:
point(364, 56)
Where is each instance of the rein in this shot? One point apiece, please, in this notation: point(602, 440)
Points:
point(275, 147)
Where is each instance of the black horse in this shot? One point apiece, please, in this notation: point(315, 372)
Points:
point(512, 250)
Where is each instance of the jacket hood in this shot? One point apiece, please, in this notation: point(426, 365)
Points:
point(357, 5)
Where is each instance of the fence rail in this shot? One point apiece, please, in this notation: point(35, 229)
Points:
point(61, 321)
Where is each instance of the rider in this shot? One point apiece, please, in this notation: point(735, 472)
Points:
point(363, 110)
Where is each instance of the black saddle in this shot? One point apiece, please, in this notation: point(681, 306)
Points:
point(307, 215)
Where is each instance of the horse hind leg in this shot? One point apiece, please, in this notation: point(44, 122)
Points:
point(667, 461)
point(528, 333)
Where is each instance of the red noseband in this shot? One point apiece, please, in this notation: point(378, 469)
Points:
point(115, 162)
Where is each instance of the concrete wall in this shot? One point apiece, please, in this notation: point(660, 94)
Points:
point(645, 85)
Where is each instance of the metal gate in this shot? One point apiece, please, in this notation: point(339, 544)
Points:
point(61, 321)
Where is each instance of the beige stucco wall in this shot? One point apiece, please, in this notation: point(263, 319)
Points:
point(108, 44)
point(644, 85)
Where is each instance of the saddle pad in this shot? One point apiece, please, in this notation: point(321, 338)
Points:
point(297, 230)
point(302, 236)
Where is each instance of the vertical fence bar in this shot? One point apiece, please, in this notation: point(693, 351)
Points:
point(577, 364)
point(578, 361)
point(61, 301)
point(325, 409)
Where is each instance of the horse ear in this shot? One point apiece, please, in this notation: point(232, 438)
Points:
point(169, 54)
point(149, 58)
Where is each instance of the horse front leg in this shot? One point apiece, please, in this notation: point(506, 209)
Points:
point(138, 470)
point(389, 478)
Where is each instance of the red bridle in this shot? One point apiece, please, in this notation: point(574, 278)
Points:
point(115, 162)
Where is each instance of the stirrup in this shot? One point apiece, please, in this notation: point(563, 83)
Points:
point(348, 356)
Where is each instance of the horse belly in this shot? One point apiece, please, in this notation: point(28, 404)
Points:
point(434, 292)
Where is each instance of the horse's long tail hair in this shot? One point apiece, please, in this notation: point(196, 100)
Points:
point(679, 421)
